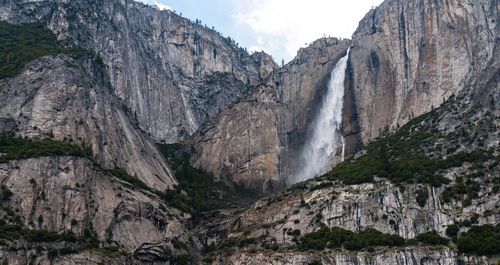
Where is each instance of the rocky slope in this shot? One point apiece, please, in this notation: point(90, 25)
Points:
point(459, 142)
point(172, 73)
point(254, 142)
point(68, 97)
point(407, 257)
point(100, 192)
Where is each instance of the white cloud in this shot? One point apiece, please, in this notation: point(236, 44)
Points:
point(158, 4)
point(162, 6)
point(296, 22)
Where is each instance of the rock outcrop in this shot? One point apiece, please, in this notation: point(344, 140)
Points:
point(407, 209)
point(151, 75)
point(405, 257)
point(67, 98)
point(71, 194)
point(409, 56)
point(170, 72)
point(254, 143)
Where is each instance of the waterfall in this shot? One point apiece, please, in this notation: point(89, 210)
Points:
point(322, 143)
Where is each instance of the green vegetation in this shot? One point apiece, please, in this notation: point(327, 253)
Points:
point(401, 157)
point(13, 148)
point(5, 193)
point(197, 191)
point(480, 240)
point(452, 230)
point(237, 242)
point(13, 232)
point(338, 237)
point(431, 238)
point(72, 243)
point(123, 175)
point(183, 259)
point(462, 191)
point(422, 196)
point(293, 232)
point(20, 44)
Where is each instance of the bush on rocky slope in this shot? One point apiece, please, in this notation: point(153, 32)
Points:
point(13, 148)
point(480, 240)
point(338, 237)
point(414, 153)
point(197, 191)
point(20, 44)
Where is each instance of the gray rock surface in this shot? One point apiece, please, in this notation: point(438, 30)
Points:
point(385, 206)
point(399, 257)
point(254, 143)
point(173, 74)
point(72, 194)
point(406, 58)
point(409, 56)
point(65, 98)
point(167, 77)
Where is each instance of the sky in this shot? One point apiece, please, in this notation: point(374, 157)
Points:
point(278, 27)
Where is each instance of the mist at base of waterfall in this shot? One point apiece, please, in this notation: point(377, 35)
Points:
point(325, 139)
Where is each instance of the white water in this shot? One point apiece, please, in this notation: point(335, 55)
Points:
point(323, 142)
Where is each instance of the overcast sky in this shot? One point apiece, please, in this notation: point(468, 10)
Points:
point(279, 27)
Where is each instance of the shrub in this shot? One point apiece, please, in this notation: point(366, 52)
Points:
point(295, 232)
point(18, 148)
point(20, 44)
point(422, 196)
point(178, 244)
point(183, 259)
point(123, 175)
point(337, 237)
point(452, 230)
point(480, 240)
point(431, 238)
point(5, 193)
point(197, 191)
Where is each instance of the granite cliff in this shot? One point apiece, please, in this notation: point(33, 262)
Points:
point(88, 175)
point(406, 58)
point(171, 73)
point(254, 142)
point(426, 50)
point(437, 173)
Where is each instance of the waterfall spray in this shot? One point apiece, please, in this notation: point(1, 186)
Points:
point(325, 137)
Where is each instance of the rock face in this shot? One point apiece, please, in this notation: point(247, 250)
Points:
point(382, 206)
point(22, 256)
point(409, 56)
point(173, 74)
point(70, 194)
point(406, 58)
point(159, 74)
point(406, 257)
point(254, 142)
point(385, 206)
point(66, 98)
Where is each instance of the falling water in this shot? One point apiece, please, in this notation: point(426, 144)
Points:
point(325, 136)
